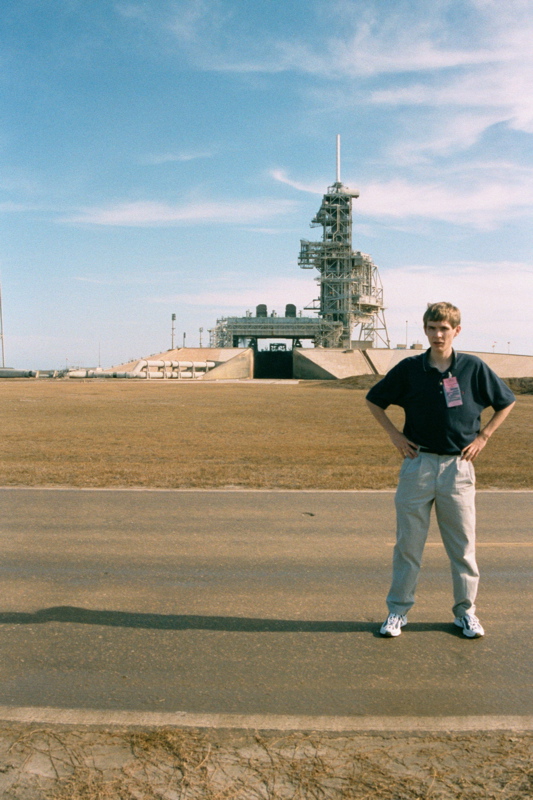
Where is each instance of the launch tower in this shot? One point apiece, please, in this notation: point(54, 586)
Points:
point(351, 293)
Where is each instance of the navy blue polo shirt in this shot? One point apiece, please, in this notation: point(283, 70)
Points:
point(417, 387)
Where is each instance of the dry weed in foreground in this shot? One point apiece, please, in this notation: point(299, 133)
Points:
point(170, 435)
point(176, 764)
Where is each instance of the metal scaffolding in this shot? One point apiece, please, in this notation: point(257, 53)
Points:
point(246, 331)
point(351, 292)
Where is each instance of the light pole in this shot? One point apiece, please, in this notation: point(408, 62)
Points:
point(173, 329)
point(201, 331)
point(184, 337)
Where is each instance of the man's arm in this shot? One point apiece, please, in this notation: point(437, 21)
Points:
point(406, 448)
point(474, 448)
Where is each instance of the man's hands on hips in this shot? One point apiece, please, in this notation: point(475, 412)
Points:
point(474, 448)
point(406, 448)
point(471, 452)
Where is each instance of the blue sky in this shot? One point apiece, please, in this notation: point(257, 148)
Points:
point(166, 156)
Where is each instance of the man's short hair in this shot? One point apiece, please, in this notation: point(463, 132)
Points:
point(442, 312)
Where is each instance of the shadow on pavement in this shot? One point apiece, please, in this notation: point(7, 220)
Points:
point(180, 622)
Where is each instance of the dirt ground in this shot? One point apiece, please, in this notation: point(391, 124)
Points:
point(251, 435)
point(173, 764)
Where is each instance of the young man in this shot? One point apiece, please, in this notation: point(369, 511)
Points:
point(443, 394)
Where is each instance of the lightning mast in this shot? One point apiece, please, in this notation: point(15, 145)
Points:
point(351, 293)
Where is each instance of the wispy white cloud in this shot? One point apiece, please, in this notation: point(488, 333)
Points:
point(373, 50)
point(372, 43)
point(464, 107)
point(190, 16)
point(281, 176)
point(483, 206)
point(460, 104)
point(157, 159)
point(477, 76)
point(146, 214)
point(485, 199)
point(441, 135)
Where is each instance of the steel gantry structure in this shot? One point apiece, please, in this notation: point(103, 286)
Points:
point(351, 292)
point(350, 311)
point(247, 331)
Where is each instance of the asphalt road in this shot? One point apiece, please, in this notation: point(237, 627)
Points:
point(251, 603)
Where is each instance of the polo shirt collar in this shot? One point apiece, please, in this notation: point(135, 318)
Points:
point(427, 366)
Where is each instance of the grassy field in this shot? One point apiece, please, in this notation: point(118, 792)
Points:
point(250, 435)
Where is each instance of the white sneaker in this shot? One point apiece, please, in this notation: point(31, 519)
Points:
point(471, 626)
point(393, 625)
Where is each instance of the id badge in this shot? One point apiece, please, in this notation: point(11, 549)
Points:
point(452, 392)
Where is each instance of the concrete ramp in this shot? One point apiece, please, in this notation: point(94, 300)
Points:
point(239, 365)
point(230, 363)
point(384, 359)
point(507, 366)
point(330, 364)
point(322, 364)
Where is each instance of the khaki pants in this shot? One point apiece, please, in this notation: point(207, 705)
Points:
point(449, 484)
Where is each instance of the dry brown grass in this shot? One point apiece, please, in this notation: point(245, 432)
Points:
point(171, 764)
point(105, 434)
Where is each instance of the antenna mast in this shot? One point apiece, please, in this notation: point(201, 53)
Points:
point(338, 158)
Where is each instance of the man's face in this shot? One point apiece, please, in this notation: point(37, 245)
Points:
point(441, 335)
